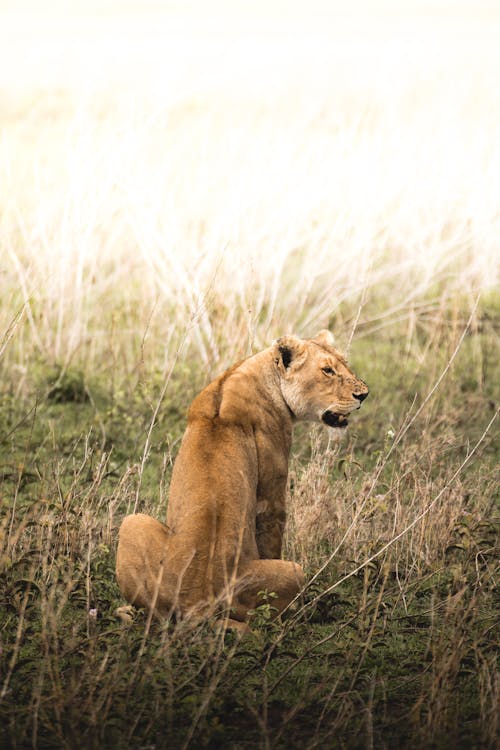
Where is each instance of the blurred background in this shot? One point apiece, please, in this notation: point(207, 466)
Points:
point(221, 173)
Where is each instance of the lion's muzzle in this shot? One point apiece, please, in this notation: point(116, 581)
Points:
point(332, 419)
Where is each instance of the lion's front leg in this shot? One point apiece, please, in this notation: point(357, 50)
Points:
point(269, 529)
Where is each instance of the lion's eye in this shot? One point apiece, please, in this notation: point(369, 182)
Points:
point(329, 371)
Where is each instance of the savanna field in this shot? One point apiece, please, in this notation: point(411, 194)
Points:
point(178, 188)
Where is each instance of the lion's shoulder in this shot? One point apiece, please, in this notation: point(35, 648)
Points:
point(237, 396)
point(207, 404)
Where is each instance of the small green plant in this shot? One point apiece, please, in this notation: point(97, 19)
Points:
point(264, 614)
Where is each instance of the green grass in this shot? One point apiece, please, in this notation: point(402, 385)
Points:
point(403, 653)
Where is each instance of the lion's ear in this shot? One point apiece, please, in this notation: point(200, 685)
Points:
point(324, 338)
point(289, 349)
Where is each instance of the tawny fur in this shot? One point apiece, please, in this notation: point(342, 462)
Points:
point(226, 510)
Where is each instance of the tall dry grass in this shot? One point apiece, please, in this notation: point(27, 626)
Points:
point(338, 166)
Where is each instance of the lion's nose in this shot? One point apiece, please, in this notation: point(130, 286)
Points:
point(360, 396)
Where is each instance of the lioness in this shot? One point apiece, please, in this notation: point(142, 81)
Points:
point(226, 509)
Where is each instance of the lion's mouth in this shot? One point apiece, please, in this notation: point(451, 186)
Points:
point(334, 420)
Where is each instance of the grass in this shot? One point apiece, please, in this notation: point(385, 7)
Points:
point(401, 649)
point(164, 214)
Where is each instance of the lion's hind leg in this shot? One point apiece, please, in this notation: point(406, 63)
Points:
point(284, 578)
point(142, 564)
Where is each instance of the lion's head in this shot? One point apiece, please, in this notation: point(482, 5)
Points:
point(316, 381)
